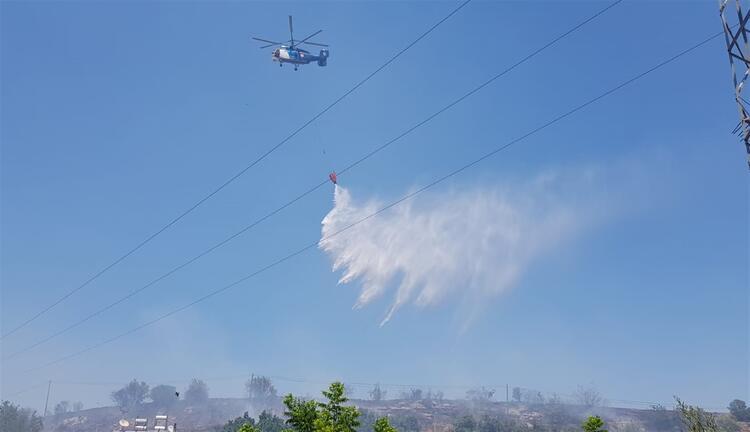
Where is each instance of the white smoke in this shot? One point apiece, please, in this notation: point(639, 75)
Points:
point(472, 244)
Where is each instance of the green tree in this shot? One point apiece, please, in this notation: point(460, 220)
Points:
point(594, 424)
point(235, 424)
point(739, 410)
point(695, 418)
point(164, 395)
point(130, 396)
point(16, 419)
point(301, 414)
point(383, 425)
point(267, 422)
point(333, 416)
point(247, 427)
point(197, 392)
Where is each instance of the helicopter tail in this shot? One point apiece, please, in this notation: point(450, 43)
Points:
point(323, 57)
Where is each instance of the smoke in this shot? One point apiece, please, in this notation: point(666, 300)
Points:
point(470, 244)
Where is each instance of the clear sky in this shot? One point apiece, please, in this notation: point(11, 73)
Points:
point(118, 116)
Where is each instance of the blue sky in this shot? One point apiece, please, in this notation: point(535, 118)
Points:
point(116, 117)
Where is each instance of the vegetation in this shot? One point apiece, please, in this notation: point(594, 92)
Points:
point(661, 419)
point(517, 394)
point(261, 391)
point(235, 424)
point(131, 396)
point(383, 425)
point(377, 394)
point(62, 407)
point(727, 424)
point(197, 392)
point(16, 419)
point(414, 394)
point(695, 419)
point(489, 424)
point(588, 396)
point(739, 410)
point(247, 428)
point(267, 422)
point(480, 394)
point(331, 415)
point(594, 424)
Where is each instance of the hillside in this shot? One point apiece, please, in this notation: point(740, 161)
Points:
point(406, 415)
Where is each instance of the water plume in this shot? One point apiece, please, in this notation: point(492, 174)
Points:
point(473, 244)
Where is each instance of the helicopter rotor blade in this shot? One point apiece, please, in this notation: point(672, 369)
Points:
point(315, 43)
point(267, 41)
point(305, 39)
point(269, 45)
point(291, 32)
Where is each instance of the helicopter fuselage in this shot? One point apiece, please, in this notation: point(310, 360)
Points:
point(297, 56)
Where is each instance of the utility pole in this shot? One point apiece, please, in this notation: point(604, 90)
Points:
point(736, 36)
point(507, 395)
point(46, 401)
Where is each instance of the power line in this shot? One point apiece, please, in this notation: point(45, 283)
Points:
point(235, 176)
point(387, 207)
point(317, 186)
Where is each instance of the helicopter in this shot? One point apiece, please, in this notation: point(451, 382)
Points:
point(289, 52)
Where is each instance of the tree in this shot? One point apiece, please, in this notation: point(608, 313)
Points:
point(235, 424)
point(78, 406)
point(62, 407)
point(739, 410)
point(247, 427)
point(437, 395)
point(383, 425)
point(197, 392)
point(414, 394)
point(480, 394)
point(532, 397)
point(164, 395)
point(267, 422)
point(517, 394)
point(333, 416)
point(16, 419)
point(594, 424)
point(130, 396)
point(301, 413)
point(261, 391)
point(377, 394)
point(588, 396)
point(695, 418)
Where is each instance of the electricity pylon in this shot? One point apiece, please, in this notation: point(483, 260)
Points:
point(736, 35)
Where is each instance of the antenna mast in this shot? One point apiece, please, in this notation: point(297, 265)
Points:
point(736, 35)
